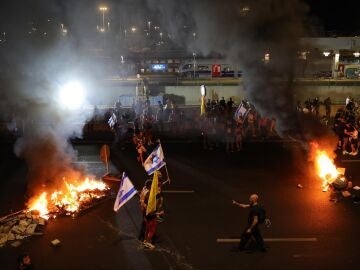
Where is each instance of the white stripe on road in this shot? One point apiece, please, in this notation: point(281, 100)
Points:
point(237, 240)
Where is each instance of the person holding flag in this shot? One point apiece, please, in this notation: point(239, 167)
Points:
point(151, 212)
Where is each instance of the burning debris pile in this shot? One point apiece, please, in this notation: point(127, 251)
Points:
point(333, 177)
point(328, 172)
point(72, 199)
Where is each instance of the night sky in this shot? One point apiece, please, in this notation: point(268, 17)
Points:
point(338, 16)
point(342, 17)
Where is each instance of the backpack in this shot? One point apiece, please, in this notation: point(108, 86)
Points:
point(262, 215)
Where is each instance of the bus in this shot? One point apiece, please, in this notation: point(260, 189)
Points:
point(207, 69)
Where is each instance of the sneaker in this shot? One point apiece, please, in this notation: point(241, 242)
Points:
point(148, 245)
point(345, 152)
point(354, 153)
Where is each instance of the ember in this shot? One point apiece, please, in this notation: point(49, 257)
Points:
point(73, 198)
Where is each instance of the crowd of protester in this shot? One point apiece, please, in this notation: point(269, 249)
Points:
point(221, 128)
point(220, 125)
point(345, 122)
point(346, 127)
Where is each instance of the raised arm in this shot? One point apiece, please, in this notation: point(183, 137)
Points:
point(240, 204)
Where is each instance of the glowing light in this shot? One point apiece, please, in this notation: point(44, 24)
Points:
point(133, 29)
point(326, 53)
point(356, 54)
point(72, 95)
point(103, 8)
point(203, 90)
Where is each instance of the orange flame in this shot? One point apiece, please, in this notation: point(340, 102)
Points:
point(325, 166)
point(69, 199)
point(40, 204)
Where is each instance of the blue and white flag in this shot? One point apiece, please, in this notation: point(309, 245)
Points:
point(241, 111)
point(126, 192)
point(155, 160)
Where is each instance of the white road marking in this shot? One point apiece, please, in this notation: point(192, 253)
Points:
point(291, 239)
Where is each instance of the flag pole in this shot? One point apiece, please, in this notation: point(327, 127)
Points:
point(168, 178)
point(167, 172)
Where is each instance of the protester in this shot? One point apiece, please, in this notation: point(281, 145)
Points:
point(327, 103)
point(316, 106)
point(160, 210)
point(143, 194)
point(230, 134)
point(222, 103)
point(24, 262)
point(229, 105)
point(239, 133)
point(150, 224)
point(350, 137)
point(256, 217)
point(251, 123)
point(264, 126)
point(139, 141)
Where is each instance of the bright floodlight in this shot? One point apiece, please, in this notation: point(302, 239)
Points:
point(203, 90)
point(72, 95)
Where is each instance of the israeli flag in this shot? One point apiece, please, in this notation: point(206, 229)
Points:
point(112, 120)
point(241, 111)
point(155, 160)
point(126, 192)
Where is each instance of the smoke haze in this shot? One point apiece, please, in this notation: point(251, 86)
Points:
point(33, 70)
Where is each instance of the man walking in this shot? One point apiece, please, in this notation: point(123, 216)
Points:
point(256, 217)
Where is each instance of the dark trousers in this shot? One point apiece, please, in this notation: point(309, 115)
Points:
point(142, 231)
point(255, 232)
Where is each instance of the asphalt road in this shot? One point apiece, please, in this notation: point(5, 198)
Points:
point(103, 239)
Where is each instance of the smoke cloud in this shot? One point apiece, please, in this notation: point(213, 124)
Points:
point(32, 70)
point(37, 61)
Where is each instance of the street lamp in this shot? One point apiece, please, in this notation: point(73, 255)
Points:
point(149, 24)
point(63, 30)
point(133, 29)
point(103, 9)
point(356, 54)
point(161, 34)
point(326, 53)
point(194, 62)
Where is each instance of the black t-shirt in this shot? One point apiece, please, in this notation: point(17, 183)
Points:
point(254, 211)
point(348, 129)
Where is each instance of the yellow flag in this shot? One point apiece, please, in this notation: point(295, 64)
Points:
point(151, 206)
point(202, 106)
